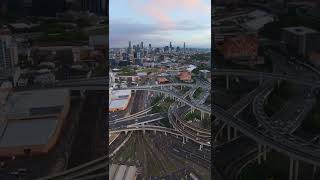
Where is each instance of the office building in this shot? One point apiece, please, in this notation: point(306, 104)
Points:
point(98, 7)
point(301, 40)
point(47, 8)
point(8, 53)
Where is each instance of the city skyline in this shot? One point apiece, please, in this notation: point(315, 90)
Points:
point(146, 45)
point(159, 22)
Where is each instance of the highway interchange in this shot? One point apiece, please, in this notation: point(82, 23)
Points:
point(266, 136)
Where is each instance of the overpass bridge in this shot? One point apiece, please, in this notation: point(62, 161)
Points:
point(158, 129)
point(137, 120)
point(271, 139)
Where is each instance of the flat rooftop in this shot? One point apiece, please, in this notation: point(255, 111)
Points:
point(118, 93)
point(32, 103)
point(119, 103)
point(28, 132)
point(32, 119)
point(122, 172)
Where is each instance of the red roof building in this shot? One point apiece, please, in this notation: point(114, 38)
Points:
point(162, 80)
point(185, 76)
point(314, 58)
point(245, 46)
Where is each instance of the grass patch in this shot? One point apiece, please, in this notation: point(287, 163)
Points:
point(149, 70)
point(197, 93)
point(190, 116)
point(128, 152)
point(163, 107)
point(155, 100)
point(278, 97)
point(127, 72)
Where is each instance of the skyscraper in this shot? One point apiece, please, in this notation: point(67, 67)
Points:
point(184, 47)
point(95, 6)
point(8, 53)
point(129, 48)
point(149, 46)
point(138, 57)
point(141, 45)
point(47, 8)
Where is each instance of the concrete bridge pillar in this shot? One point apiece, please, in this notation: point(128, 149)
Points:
point(155, 132)
point(165, 133)
point(265, 152)
point(229, 132)
point(186, 139)
point(200, 148)
point(260, 79)
point(161, 87)
point(181, 87)
point(171, 87)
point(227, 82)
point(183, 140)
point(235, 133)
point(294, 169)
point(259, 154)
point(125, 132)
point(278, 82)
point(201, 115)
point(192, 109)
point(314, 172)
point(291, 169)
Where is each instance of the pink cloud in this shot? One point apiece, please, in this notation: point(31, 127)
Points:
point(159, 10)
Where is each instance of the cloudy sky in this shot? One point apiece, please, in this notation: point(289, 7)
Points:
point(160, 21)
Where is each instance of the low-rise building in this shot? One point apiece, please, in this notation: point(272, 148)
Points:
point(162, 80)
point(185, 76)
point(119, 100)
point(301, 40)
point(242, 49)
point(31, 121)
point(205, 74)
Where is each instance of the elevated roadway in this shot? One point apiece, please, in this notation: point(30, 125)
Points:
point(157, 129)
point(266, 75)
point(137, 120)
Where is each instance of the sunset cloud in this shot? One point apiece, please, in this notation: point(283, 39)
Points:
point(159, 22)
point(160, 10)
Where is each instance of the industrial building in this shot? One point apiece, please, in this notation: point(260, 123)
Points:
point(122, 172)
point(119, 100)
point(31, 121)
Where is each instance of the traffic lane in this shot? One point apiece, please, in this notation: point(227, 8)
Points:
point(124, 124)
